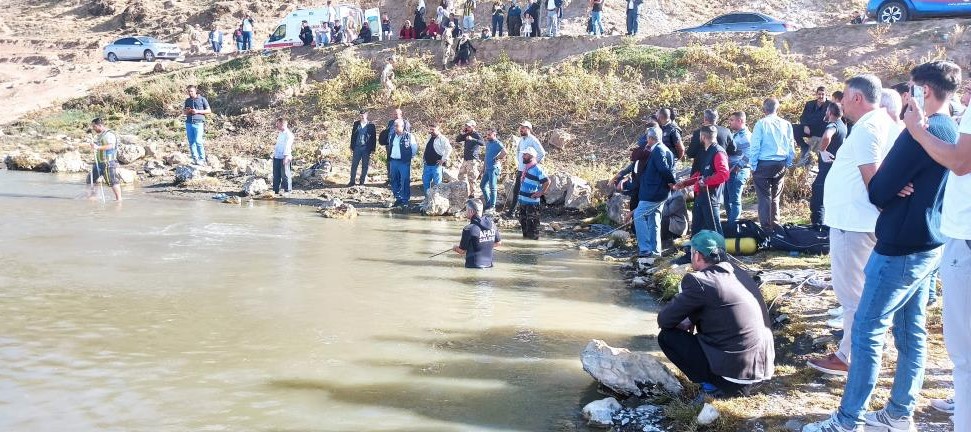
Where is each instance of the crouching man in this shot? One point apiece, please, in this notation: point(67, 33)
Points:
point(717, 330)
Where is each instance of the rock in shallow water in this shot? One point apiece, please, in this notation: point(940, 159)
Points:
point(626, 372)
point(601, 412)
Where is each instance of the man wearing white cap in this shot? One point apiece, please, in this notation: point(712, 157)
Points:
point(533, 185)
point(527, 141)
point(472, 145)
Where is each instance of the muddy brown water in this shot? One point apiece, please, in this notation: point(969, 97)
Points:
point(171, 315)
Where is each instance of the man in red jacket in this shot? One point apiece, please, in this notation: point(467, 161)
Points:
point(708, 180)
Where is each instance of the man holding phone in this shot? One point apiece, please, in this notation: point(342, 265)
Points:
point(196, 108)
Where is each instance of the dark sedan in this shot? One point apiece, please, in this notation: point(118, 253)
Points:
point(742, 22)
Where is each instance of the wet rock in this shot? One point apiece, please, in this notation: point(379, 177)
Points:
point(232, 200)
point(184, 173)
point(129, 153)
point(26, 160)
point(620, 236)
point(794, 425)
point(638, 282)
point(601, 412)
point(151, 150)
point(343, 211)
point(177, 158)
point(559, 139)
point(330, 203)
point(455, 194)
point(626, 372)
point(237, 165)
point(68, 162)
point(126, 175)
point(255, 186)
point(618, 208)
point(708, 415)
point(155, 168)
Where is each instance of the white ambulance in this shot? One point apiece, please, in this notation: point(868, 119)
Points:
point(287, 33)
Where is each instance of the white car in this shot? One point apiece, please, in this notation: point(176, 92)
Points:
point(141, 48)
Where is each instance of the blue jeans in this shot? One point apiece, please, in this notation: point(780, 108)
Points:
point(401, 180)
point(496, 26)
point(247, 40)
point(239, 45)
point(598, 27)
point(552, 24)
point(631, 22)
point(468, 24)
point(647, 221)
point(196, 134)
point(489, 186)
point(217, 47)
point(282, 176)
point(895, 293)
point(430, 176)
point(362, 157)
point(733, 193)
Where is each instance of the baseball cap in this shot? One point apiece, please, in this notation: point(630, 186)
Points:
point(708, 242)
point(526, 124)
point(470, 123)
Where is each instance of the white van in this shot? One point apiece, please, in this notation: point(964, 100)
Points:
point(287, 33)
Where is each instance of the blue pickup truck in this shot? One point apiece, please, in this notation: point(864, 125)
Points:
point(891, 11)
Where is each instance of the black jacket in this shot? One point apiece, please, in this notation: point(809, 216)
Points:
point(727, 308)
point(812, 116)
point(306, 36)
point(696, 148)
point(370, 136)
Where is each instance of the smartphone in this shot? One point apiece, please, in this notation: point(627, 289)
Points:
point(917, 93)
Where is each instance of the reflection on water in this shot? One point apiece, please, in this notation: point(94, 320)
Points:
point(193, 315)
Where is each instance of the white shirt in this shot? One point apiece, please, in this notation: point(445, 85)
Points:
point(845, 197)
point(284, 145)
point(442, 147)
point(396, 146)
point(247, 25)
point(529, 141)
point(330, 14)
point(956, 216)
point(550, 4)
point(630, 4)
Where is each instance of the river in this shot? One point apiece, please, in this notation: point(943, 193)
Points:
point(177, 315)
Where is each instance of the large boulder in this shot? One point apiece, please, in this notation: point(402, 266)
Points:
point(618, 208)
point(151, 150)
point(579, 195)
point(601, 412)
point(504, 192)
point(184, 173)
point(260, 168)
point(155, 168)
point(455, 193)
point(68, 162)
point(126, 175)
point(26, 160)
point(177, 158)
point(450, 175)
point(556, 194)
point(560, 139)
point(129, 153)
point(255, 186)
point(625, 372)
point(237, 165)
point(343, 211)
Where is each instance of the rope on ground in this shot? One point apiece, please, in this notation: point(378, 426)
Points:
point(800, 279)
point(563, 249)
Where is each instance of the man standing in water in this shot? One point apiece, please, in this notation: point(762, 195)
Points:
point(527, 141)
point(479, 237)
point(533, 185)
point(105, 164)
point(195, 109)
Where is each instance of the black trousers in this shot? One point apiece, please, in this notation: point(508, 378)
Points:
point(512, 200)
point(683, 349)
point(529, 220)
point(704, 214)
point(816, 202)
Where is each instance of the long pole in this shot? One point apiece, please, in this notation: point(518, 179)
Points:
point(441, 253)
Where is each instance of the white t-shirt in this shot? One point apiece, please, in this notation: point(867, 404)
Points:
point(630, 4)
point(284, 145)
point(956, 217)
point(846, 202)
point(550, 4)
point(247, 25)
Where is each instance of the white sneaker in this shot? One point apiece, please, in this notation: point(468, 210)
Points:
point(835, 312)
point(883, 420)
point(836, 323)
point(943, 405)
point(829, 425)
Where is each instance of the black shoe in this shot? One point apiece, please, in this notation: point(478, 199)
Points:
point(682, 260)
point(351, 184)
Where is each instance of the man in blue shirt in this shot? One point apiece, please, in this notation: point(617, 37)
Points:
point(494, 152)
point(402, 148)
point(738, 166)
point(479, 237)
point(655, 186)
point(772, 151)
point(533, 185)
point(195, 109)
point(909, 189)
